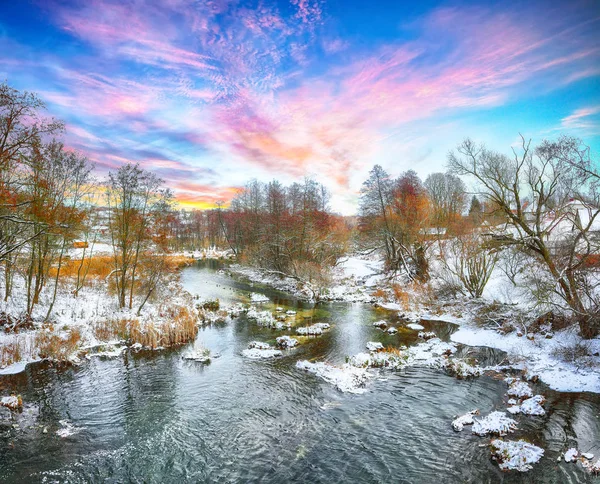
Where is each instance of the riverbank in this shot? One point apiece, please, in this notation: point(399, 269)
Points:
point(160, 415)
point(558, 356)
point(90, 323)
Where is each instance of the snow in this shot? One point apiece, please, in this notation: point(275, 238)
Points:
point(90, 310)
point(467, 419)
point(13, 402)
point(497, 423)
point(515, 455)
point(392, 330)
point(360, 268)
point(379, 360)
point(15, 368)
point(256, 297)
point(571, 455)
point(519, 389)
point(462, 368)
point(537, 355)
point(530, 406)
point(286, 342)
point(346, 378)
point(259, 350)
point(201, 355)
point(415, 326)
point(426, 335)
point(380, 324)
point(374, 346)
point(314, 330)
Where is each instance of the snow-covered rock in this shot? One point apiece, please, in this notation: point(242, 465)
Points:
point(12, 402)
point(462, 368)
point(314, 330)
point(262, 318)
point(380, 324)
point(374, 346)
point(256, 297)
point(571, 455)
point(107, 351)
point(530, 406)
point(515, 455)
point(392, 330)
point(256, 354)
point(593, 468)
point(201, 355)
point(426, 335)
point(467, 419)
point(415, 326)
point(497, 423)
point(259, 350)
point(432, 352)
point(286, 342)
point(519, 389)
point(259, 345)
point(380, 359)
point(346, 378)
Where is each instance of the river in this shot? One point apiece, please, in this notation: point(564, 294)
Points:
point(154, 417)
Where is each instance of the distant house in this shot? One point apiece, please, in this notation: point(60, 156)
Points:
point(583, 215)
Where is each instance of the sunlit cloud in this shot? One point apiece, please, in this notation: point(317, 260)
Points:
point(210, 94)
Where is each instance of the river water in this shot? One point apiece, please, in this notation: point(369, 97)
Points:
point(153, 417)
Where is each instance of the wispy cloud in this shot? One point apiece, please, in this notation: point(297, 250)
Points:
point(585, 119)
point(265, 89)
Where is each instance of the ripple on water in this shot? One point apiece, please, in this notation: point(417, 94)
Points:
point(153, 417)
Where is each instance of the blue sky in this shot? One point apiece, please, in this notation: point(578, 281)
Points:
point(211, 94)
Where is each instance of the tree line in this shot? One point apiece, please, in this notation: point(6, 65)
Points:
point(49, 200)
point(538, 207)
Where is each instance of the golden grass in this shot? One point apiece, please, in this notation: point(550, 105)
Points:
point(401, 296)
point(181, 327)
point(100, 266)
point(11, 352)
point(97, 267)
point(52, 346)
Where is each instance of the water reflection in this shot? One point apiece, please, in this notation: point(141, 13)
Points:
point(153, 417)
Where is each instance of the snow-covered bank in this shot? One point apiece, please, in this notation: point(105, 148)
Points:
point(355, 277)
point(91, 324)
point(345, 378)
point(538, 356)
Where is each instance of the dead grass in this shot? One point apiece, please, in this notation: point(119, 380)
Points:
point(96, 267)
point(53, 346)
point(381, 294)
point(393, 351)
point(578, 353)
point(11, 352)
point(100, 266)
point(180, 327)
point(401, 296)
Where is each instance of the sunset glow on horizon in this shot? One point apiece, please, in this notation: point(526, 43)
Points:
point(212, 94)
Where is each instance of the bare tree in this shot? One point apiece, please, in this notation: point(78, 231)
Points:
point(131, 194)
point(535, 191)
point(467, 259)
point(447, 193)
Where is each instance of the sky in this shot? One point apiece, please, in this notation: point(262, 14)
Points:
point(210, 94)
